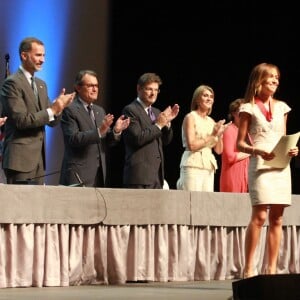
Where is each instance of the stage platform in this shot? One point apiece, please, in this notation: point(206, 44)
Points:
point(203, 290)
point(66, 236)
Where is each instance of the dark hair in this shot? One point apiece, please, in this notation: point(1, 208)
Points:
point(80, 75)
point(234, 107)
point(26, 44)
point(149, 78)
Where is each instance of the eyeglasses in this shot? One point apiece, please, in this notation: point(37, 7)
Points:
point(90, 85)
point(150, 90)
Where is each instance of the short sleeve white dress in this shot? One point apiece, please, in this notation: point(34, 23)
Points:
point(267, 185)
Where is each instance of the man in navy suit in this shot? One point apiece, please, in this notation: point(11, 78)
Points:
point(28, 109)
point(149, 130)
point(87, 135)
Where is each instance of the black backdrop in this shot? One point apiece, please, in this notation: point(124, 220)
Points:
point(197, 42)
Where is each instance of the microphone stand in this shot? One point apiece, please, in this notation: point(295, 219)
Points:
point(7, 73)
point(32, 180)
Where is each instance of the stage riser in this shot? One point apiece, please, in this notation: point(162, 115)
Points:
point(265, 287)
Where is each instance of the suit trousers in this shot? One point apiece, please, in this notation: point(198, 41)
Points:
point(36, 176)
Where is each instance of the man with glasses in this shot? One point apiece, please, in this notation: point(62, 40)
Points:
point(149, 130)
point(87, 135)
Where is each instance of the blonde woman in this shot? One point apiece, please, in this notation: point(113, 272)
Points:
point(264, 117)
point(201, 135)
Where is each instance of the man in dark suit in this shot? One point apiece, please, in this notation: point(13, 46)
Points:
point(87, 135)
point(28, 109)
point(149, 130)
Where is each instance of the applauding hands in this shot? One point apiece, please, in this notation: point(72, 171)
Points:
point(219, 128)
point(166, 116)
point(62, 101)
point(121, 124)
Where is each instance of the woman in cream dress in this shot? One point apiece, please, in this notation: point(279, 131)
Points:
point(200, 135)
point(264, 118)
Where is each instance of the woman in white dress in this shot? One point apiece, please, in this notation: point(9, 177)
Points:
point(264, 118)
point(200, 135)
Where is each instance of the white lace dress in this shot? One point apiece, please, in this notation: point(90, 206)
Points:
point(267, 185)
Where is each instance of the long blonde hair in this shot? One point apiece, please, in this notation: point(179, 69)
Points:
point(257, 77)
point(198, 93)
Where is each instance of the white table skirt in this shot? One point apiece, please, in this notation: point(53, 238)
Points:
point(63, 255)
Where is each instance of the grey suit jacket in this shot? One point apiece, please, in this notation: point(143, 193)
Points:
point(144, 141)
point(25, 126)
point(84, 151)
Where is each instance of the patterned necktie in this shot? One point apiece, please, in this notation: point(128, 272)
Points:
point(34, 88)
point(151, 114)
point(100, 175)
point(91, 113)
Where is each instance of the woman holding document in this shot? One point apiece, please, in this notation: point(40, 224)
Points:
point(264, 118)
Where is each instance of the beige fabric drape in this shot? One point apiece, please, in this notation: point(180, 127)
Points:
point(62, 255)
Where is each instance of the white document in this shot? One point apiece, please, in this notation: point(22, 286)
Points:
point(282, 159)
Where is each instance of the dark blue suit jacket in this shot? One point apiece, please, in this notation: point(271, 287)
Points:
point(84, 149)
point(144, 141)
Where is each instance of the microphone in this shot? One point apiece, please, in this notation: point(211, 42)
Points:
point(32, 179)
point(79, 179)
point(7, 72)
